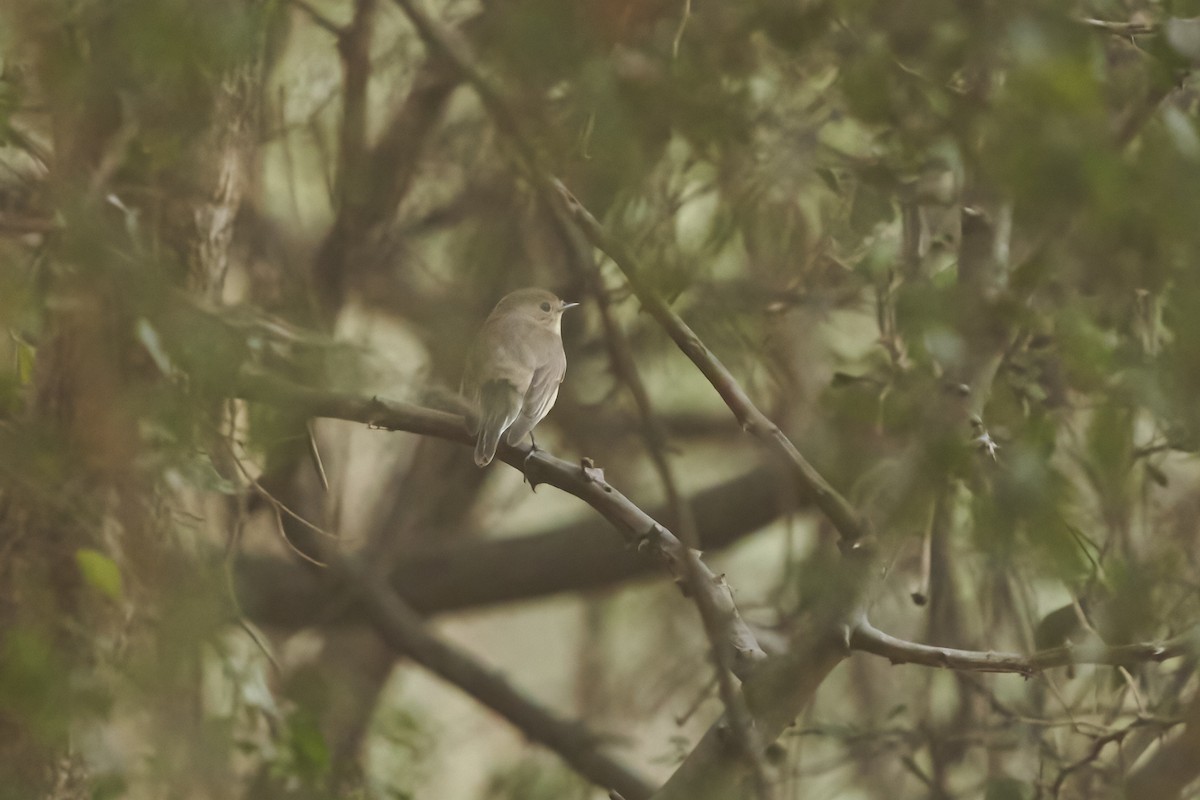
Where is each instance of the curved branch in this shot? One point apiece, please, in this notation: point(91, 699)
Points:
point(579, 556)
point(869, 639)
point(585, 481)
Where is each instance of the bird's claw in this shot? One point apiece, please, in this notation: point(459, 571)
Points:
point(533, 450)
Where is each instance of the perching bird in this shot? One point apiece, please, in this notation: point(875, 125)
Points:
point(514, 368)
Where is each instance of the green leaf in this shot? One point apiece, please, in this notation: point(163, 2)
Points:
point(100, 571)
point(311, 753)
point(25, 361)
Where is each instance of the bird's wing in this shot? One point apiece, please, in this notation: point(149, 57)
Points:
point(539, 398)
point(499, 406)
point(543, 389)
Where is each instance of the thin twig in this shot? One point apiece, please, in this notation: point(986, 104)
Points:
point(275, 506)
point(280, 508)
point(683, 21)
point(867, 638)
point(655, 435)
point(280, 505)
point(315, 452)
point(844, 517)
point(1122, 29)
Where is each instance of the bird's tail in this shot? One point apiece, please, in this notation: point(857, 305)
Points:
point(498, 407)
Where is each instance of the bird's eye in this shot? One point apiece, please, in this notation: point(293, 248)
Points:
point(545, 306)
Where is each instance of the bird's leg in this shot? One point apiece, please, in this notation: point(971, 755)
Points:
point(533, 448)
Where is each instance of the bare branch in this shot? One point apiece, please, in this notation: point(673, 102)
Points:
point(625, 368)
point(459, 573)
point(1123, 29)
point(839, 511)
point(404, 631)
point(584, 481)
point(843, 516)
point(869, 639)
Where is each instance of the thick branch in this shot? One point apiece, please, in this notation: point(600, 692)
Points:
point(480, 572)
point(1175, 764)
point(867, 638)
point(585, 482)
point(354, 47)
point(403, 630)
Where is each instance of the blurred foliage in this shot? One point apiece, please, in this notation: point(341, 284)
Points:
point(948, 246)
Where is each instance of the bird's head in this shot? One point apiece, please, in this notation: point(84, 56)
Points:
point(543, 307)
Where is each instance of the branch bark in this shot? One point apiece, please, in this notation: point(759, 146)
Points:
point(584, 481)
point(482, 572)
point(654, 434)
point(843, 516)
point(869, 639)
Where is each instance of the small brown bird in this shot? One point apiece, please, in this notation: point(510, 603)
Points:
point(514, 368)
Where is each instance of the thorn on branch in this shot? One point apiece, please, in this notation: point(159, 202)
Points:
point(746, 655)
point(592, 473)
point(376, 411)
point(532, 481)
point(652, 538)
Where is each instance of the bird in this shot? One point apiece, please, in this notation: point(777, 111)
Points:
point(514, 369)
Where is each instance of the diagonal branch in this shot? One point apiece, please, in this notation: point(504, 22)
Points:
point(654, 433)
point(844, 517)
point(405, 632)
point(839, 511)
point(584, 481)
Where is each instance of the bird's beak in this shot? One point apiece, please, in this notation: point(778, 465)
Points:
point(565, 306)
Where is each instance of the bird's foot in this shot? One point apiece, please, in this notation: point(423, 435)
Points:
point(533, 450)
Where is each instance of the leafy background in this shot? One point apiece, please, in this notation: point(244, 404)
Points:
point(949, 247)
